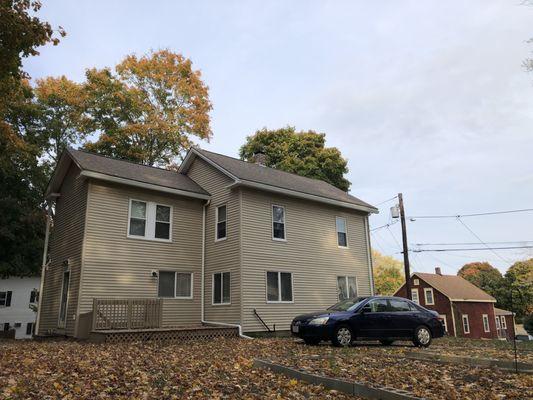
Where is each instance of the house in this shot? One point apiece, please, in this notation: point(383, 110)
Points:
point(467, 310)
point(220, 241)
point(18, 300)
point(505, 323)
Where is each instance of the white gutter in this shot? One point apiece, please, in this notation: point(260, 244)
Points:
point(202, 291)
point(143, 185)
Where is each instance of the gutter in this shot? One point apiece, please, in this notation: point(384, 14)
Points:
point(202, 290)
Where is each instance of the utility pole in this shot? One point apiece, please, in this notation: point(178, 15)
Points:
point(405, 249)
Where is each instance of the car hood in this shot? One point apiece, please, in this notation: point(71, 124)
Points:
point(318, 314)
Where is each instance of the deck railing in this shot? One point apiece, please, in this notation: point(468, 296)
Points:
point(116, 314)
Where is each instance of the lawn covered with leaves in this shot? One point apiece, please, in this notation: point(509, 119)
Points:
point(222, 369)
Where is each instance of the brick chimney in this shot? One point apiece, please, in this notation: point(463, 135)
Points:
point(438, 271)
point(259, 158)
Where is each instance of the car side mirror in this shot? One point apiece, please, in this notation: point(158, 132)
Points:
point(366, 309)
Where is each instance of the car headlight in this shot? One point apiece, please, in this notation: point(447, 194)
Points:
point(319, 321)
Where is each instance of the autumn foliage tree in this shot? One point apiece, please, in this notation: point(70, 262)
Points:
point(388, 273)
point(303, 153)
point(148, 110)
point(483, 275)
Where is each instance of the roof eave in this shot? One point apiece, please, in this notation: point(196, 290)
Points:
point(192, 154)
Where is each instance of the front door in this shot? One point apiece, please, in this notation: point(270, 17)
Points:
point(402, 319)
point(375, 323)
point(64, 299)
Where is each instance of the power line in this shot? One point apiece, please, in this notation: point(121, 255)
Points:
point(470, 243)
point(384, 226)
point(473, 249)
point(394, 237)
point(386, 201)
point(472, 215)
point(481, 240)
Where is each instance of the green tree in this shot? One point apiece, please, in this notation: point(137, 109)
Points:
point(388, 274)
point(148, 109)
point(483, 275)
point(302, 153)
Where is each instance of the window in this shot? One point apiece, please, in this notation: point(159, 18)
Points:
point(379, 305)
point(221, 288)
point(443, 317)
point(428, 293)
point(279, 287)
point(6, 326)
point(64, 298)
point(486, 326)
point(504, 322)
point(498, 327)
point(29, 328)
point(175, 284)
point(466, 325)
point(414, 296)
point(278, 223)
point(150, 221)
point(5, 299)
point(34, 296)
point(342, 239)
point(221, 216)
point(398, 305)
point(347, 287)
point(416, 282)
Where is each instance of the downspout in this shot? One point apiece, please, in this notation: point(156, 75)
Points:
point(202, 290)
point(369, 256)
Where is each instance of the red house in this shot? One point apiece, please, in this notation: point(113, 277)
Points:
point(467, 310)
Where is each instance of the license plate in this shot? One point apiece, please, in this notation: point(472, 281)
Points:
point(295, 329)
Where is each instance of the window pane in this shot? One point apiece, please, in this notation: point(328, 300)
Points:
point(286, 286)
point(226, 287)
point(137, 227)
point(279, 230)
point(352, 287)
point(379, 306)
point(3, 296)
point(162, 213)
point(162, 230)
point(341, 225)
point(183, 285)
point(221, 213)
point(278, 214)
point(343, 290)
point(217, 296)
point(341, 238)
point(138, 209)
point(398, 305)
point(272, 286)
point(166, 284)
point(429, 296)
point(221, 230)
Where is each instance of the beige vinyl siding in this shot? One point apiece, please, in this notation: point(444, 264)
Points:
point(221, 256)
point(311, 253)
point(66, 240)
point(116, 266)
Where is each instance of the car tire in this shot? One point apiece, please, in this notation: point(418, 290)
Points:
point(422, 336)
point(311, 341)
point(386, 342)
point(342, 336)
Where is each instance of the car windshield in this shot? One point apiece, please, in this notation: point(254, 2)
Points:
point(348, 304)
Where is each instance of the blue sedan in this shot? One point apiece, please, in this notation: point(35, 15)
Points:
point(370, 318)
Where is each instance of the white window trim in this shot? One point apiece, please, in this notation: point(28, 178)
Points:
point(284, 223)
point(464, 318)
point(149, 228)
point(443, 316)
point(504, 322)
point(175, 283)
point(222, 303)
point(416, 282)
point(346, 279)
point(279, 288)
point(417, 301)
point(346, 233)
point(498, 326)
point(427, 303)
point(62, 324)
point(485, 317)
point(216, 223)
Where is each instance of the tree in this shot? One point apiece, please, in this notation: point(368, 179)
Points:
point(528, 324)
point(302, 153)
point(148, 110)
point(483, 275)
point(388, 274)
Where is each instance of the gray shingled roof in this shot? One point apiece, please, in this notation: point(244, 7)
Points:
point(133, 171)
point(270, 176)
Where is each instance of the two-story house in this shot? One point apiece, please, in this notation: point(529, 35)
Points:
point(221, 240)
point(19, 297)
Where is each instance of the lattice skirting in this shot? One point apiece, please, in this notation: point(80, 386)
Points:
point(168, 336)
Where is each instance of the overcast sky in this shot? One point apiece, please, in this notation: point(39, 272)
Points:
point(425, 98)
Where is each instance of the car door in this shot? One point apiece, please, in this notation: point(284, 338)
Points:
point(374, 320)
point(402, 318)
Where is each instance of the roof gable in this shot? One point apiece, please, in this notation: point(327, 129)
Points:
point(455, 287)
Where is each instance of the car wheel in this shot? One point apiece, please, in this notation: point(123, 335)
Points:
point(386, 342)
point(422, 336)
point(342, 336)
point(311, 341)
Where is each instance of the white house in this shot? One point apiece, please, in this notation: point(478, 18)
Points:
point(17, 295)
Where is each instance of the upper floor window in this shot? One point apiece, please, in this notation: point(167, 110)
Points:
point(5, 299)
point(150, 220)
point(279, 287)
point(342, 240)
point(414, 296)
point(428, 293)
point(347, 287)
point(416, 282)
point(175, 284)
point(221, 288)
point(221, 218)
point(278, 222)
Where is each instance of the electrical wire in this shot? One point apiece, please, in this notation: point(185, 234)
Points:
point(481, 241)
point(473, 249)
point(471, 215)
point(386, 201)
point(384, 226)
point(470, 243)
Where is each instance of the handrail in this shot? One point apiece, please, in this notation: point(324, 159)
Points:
point(264, 323)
